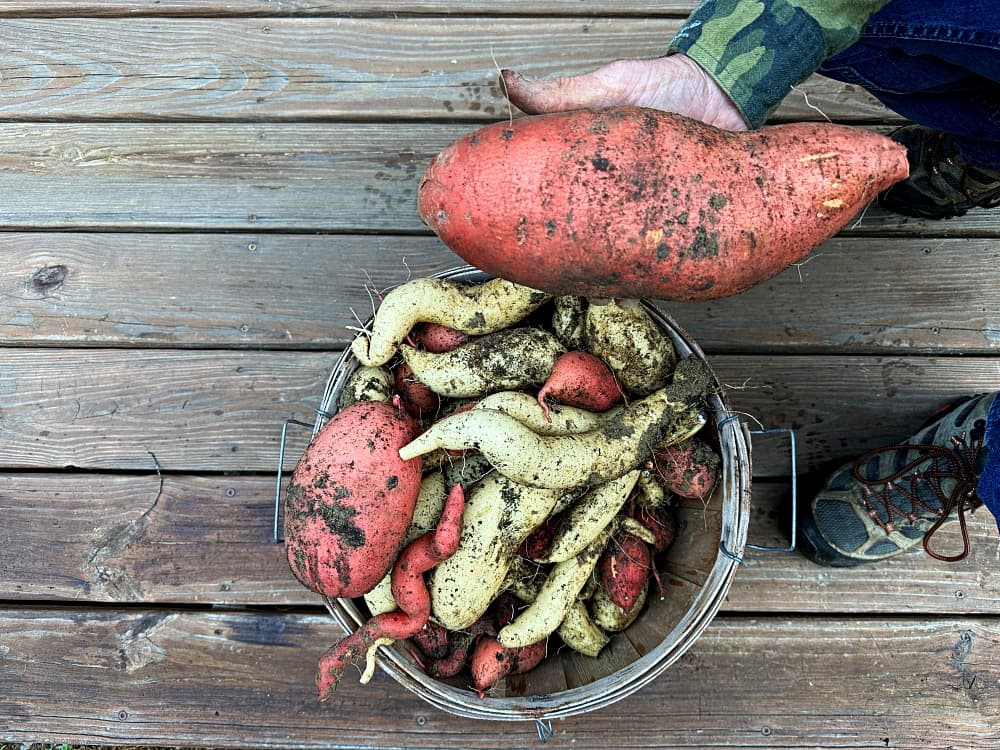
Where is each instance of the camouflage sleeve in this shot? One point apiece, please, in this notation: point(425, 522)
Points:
point(758, 49)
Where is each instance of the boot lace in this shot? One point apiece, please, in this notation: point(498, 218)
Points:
point(932, 465)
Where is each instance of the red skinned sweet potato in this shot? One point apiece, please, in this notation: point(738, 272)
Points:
point(634, 202)
point(491, 662)
point(350, 500)
point(689, 468)
point(416, 398)
point(433, 640)
point(538, 543)
point(437, 338)
point(660, 522)
point(624, 569)
point(580, 379)
point(462, 644)
point(410, 592)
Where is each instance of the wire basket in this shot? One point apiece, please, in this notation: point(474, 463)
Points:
point(696, 573)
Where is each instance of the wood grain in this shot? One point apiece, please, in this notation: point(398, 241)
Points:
point(197, 196)
point(296, 68)
point(68, 8)
point(173, 677)
point(842, 406)
point(205, 540)
point(251, 177)
point(863, 295)
point(216, 176)
point(179, 290)
point(113, 538)
point(853, 295)
point(220, 411)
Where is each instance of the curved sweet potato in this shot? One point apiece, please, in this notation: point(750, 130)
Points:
point(410, 592)
point(350, 500)
point(634, 202)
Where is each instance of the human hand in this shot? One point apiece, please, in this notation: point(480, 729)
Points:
point(675, 84)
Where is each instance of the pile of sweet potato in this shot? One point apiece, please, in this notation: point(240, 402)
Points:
point(501, 468)
point(499, 478)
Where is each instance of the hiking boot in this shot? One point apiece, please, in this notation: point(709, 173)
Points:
point(941, 185)
point(891, 499)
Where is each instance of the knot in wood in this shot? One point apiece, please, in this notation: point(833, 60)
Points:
point(48, 278)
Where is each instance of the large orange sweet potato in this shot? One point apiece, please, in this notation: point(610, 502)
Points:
point(350, 500)
point(633, 202)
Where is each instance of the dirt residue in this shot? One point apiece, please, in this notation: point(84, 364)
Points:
point(692, 381)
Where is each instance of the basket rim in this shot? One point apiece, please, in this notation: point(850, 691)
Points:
point(733, 435)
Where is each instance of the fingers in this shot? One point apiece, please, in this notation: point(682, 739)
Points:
point(673, 83)
point(535, 96)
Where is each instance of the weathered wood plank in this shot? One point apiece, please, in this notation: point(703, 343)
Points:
point(201, 290)
point(842, 406)
point(869, 294)
point(241, 679)
point(323, 177)
point(208, 540)
point(222, 411)
point(295, 68)
point(214, 176)
point(217, 411)
point(854, 295)
point(69, 8)
point(91, 537)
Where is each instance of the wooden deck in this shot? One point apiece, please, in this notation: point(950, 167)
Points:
point(193, 195)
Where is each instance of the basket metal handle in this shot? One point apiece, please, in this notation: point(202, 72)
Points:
point(281, 467)
point(792, 451)
point(790, 547)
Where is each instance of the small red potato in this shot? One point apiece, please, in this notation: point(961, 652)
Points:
point(350, 500)
point(660, 522)
point(538, 543)
point(418, 399)
point(433, 640)
point(580, 379)
point(436, 338)
point(462, 645)
point(491, 662)
point(631, 202)
point(689, 468)
point(624, 569)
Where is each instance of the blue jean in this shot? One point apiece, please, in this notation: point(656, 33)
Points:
point(936, 63)
point(989, 481)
